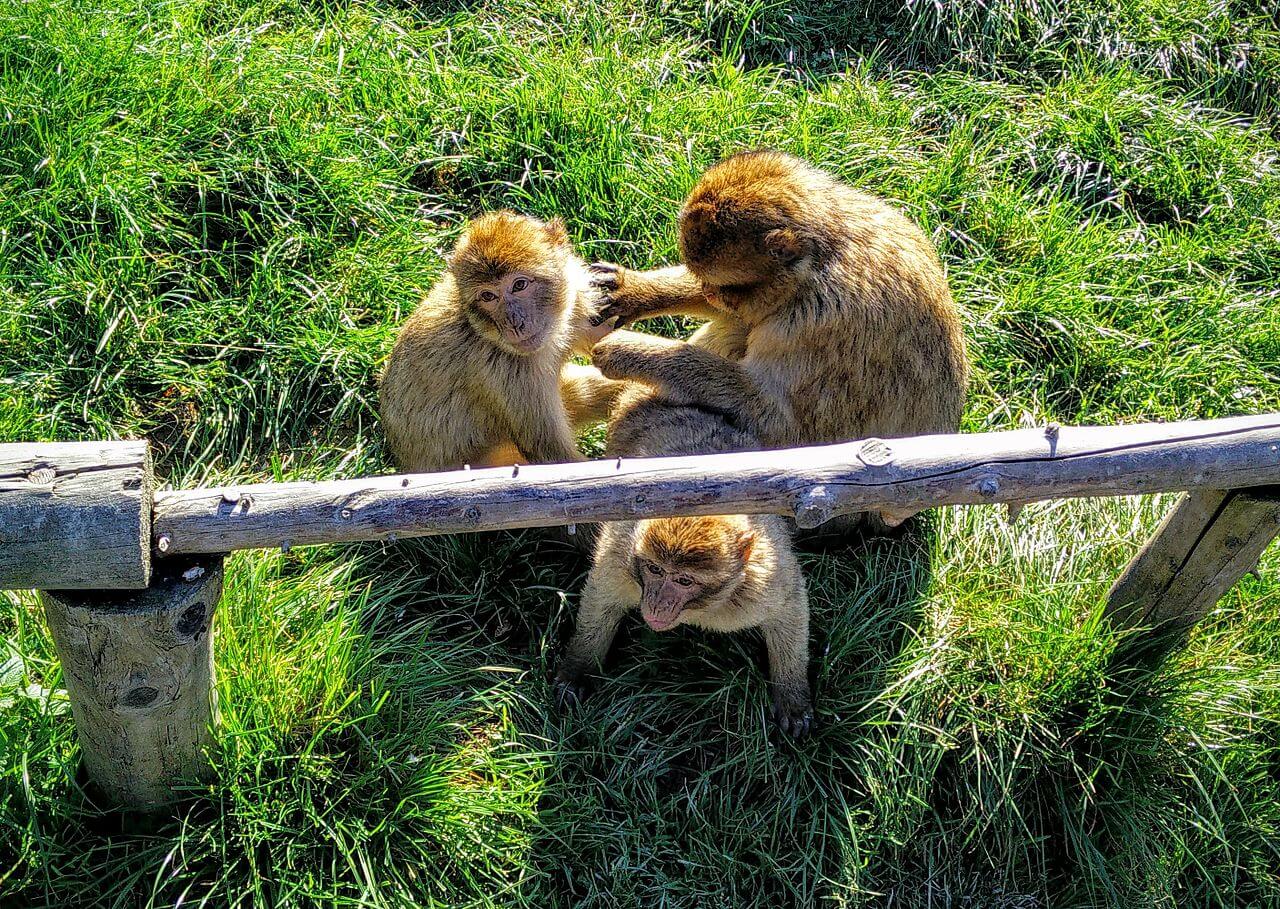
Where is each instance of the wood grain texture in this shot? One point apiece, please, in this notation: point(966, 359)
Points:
point(811, 484)
point(138, 668)
point(1203, 547)
point(75, 515)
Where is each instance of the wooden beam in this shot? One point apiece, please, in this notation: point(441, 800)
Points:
point(75, 515)
point(1210, 539)
point(138, 668)
point(812, 484)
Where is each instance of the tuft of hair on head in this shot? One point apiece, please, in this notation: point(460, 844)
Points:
point(757, 201)
point(699, 543)
point(500, 242)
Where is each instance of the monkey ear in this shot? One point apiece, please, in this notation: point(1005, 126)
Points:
point(787, 246)
point(556, 232)
point(746, 543)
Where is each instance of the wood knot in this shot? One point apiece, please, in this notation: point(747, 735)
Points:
point(472, 514)
point(988, 486)
point(142, 696)
point(191, 622)
point(42, 476)
point(875, 453)
point(814, 508)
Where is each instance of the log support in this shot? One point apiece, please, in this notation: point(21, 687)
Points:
point(1210, 539)
point(138, 668)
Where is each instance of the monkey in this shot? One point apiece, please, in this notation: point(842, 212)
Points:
point(726, 573)
point(831, 318)
point(480, 372)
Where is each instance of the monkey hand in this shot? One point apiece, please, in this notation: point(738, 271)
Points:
point(616, 303)
point(571, 689)
point(629, 355)
point(792, 713)
point(590, 330)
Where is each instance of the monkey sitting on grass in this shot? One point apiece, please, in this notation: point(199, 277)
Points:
point(728, 573)
point(830, 314)
point(480, 373)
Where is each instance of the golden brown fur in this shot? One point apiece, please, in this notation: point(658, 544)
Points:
point(742, 570)
point(831, 317)
point(479, 372)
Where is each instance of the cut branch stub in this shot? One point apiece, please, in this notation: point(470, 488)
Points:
point(138, 668)
point(815, 507)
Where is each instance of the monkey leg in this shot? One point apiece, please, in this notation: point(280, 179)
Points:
point(504, 454)
point(600, 612)
point(787, 640)
point(588, 395)
point(540, 430)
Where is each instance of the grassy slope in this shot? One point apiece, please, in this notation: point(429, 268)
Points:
point(212, 216)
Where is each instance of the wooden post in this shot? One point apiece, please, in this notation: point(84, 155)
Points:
point(138, 667)
point(75, 515)
point(1207, 543)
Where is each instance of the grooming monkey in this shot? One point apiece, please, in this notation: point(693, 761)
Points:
point(830, 314)
point(479, 373)
point(725, 574)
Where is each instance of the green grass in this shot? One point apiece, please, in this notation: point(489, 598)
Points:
point(212, 218)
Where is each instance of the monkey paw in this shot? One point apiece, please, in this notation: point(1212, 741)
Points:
point(793, 716)
point(611, 357)
point(571, 689)
point(615, 302)
point(605, 275)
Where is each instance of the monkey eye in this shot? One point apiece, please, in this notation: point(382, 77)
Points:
point(519, 285)
point(652, 568)
point(488, 296)
point(684, 581)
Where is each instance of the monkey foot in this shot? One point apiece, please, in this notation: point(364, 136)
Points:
point(794, 720)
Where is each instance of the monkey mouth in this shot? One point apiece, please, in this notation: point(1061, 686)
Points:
point(527, 344)
point(660, 619)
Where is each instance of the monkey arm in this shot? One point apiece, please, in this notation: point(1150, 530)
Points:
point(694, 376)
point(631, 295)
point(608, 595)
point(787, 641)
point(588, 395)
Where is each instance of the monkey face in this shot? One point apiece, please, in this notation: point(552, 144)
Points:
point(687, 564)
point(510, 273)
point(747, 228)
point(667, 591)
point(520, 310)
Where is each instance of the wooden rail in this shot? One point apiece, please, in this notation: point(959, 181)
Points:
point(138, 663)
point(813, 484)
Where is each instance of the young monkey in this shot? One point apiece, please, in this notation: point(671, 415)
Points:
point(479, 373)
point(724, 574)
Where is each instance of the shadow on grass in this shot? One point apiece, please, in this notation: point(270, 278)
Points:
point(671, 784)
